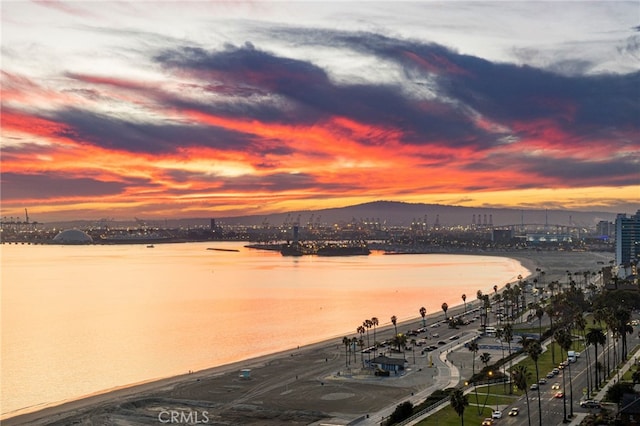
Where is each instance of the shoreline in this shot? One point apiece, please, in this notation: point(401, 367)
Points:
point(99, 401)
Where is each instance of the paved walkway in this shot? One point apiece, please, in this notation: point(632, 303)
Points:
point(447, 376)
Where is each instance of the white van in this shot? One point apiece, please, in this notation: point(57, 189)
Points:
point(571, 356)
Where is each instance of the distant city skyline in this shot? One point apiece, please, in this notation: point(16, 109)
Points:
point(194, 109)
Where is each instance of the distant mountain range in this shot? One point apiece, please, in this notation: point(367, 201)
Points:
point(403, 214)
point(389, 213)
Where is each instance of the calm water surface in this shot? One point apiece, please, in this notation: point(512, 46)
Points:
point(76, 320)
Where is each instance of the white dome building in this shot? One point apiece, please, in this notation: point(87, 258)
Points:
point(72, 236)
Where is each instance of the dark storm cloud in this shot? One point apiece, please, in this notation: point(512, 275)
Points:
point(126, 135)
point(15, 186)
point(274, 182)
point(255, 84)
point(502, 92)
point(615, 172)
point(277, 182)
point(313, 96)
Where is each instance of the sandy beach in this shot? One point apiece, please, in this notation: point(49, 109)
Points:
point(302, 385)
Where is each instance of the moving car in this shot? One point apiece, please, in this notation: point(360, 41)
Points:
point(556, 386)
point(590, 403)
point(496, 414)
point(558, 395)
point(514, 411)
point(487, 422)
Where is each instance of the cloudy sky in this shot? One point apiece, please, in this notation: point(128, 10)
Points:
point(197, 109)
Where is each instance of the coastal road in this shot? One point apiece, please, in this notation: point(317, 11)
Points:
point(552, 408)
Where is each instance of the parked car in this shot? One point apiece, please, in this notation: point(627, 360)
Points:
point(550, 375)
point(533, 386)
point(514, 411)
point(589, 403)
point(496, 414)
point(435, 334)
point(556, 371)
point(542, 381)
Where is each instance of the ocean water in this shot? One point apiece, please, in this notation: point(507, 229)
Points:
point(82, 319)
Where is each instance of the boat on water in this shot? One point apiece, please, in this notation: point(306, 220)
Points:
point(329, 249)
point(344, 249)
point(297, 249)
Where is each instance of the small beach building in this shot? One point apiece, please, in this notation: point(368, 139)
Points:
point(389, 364)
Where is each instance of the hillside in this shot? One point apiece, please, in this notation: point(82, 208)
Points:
point(398, 213)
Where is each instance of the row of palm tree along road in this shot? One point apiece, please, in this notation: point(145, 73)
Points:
point(564, 304)
point(568, 307)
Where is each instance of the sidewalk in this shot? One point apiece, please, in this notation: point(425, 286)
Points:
point(448, 376)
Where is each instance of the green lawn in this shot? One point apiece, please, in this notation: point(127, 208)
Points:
point(498, 393)
point(447, 416)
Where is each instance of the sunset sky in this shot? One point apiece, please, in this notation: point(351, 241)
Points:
point(195, 109)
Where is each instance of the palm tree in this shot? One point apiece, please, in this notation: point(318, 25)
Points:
point(500, 336)
point(581, 324)
point(401, 340)
point(459, 402)
point(539, 314)
point(394, 320)
point(361, 345)
point(549, 310)
point(507, 333)
point(534, 350)
point(464, 300)
point(360, 330)
point(367, 324)
point(473, 347)
point(495, 288)
point(563, 337)
point(607, 317)
point(622, 318)
point(596, 337)
point(520, 378)
point(423, 312)
point(485, 357)
point(375, 322)
point(445, 307)
point(354, 342)
point(347, 343)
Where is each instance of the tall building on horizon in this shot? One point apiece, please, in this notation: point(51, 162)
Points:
point(627, 240)
point(605, 229)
